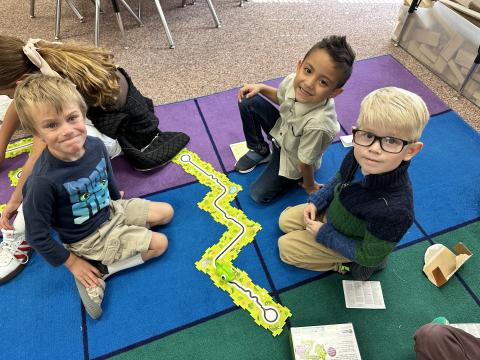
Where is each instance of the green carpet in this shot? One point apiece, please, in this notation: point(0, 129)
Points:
point(470, 236)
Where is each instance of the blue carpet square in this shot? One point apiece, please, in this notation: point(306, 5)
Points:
point(445, 174)
point(43, 318)
point(168, 292)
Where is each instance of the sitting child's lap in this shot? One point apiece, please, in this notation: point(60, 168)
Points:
point(124, 235)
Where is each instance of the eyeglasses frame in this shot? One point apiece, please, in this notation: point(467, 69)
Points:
point(380, 138)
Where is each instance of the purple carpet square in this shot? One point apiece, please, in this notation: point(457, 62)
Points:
point(223, 119)
point(375, 73)
point(6, 188)
point(182, 116)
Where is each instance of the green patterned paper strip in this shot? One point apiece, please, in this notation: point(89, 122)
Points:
point(14, 176)
point(217, 259)
point(19, 147)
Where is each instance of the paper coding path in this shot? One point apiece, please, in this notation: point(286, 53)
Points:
point(217, 260)
point(15, 149)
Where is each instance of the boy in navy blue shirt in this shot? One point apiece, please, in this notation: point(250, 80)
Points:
point(72, 190)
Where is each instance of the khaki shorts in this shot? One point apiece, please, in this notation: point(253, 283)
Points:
point(124, 235)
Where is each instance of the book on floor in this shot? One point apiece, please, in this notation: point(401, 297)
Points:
point(239, 149)
point(363, 294)
point(324, 342)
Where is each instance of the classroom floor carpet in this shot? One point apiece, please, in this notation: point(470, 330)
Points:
point(167, 309)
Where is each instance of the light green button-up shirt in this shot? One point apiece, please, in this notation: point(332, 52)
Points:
point(303, 131)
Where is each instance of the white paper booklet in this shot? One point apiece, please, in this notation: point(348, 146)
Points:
point(324, 342)
point(363, 294)
point(347, 140)
point(239, 149)
point(472, 329)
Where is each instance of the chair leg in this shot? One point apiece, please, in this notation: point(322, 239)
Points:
point(129, 9)
point(165, 25)
point(214, 14)
point(119, 17)
point(75, 11)
point(97, 22)
point(32, 8)
point(57, 19)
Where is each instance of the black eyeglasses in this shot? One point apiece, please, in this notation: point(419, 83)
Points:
point(389, 144)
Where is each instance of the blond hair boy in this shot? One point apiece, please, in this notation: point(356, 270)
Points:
point(361, 214)
point(72, 189)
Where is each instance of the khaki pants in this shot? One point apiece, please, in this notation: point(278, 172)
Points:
point(298, 247)
point(124, 235)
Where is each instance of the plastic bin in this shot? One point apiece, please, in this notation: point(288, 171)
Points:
point(445, 42)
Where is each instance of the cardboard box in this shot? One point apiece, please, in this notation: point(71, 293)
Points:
point(441, 263)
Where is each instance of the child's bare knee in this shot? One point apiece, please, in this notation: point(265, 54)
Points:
point(160, 213)
point(168, 213)
point(159, 243)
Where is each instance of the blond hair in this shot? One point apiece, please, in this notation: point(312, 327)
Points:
point(91, 69)
point(392, 108)
point(37, 90)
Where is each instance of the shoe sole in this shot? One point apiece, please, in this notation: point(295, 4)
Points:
point(12, 274)
point(267, 159)
point(17, 271)
point(154, 167)
point(92, 308)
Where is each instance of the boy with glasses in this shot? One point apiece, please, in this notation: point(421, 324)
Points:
point(360, 215)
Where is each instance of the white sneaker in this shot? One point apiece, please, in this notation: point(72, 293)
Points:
point(14, 254)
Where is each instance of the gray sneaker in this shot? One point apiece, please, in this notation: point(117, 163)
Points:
point(92, 298)
point(250, 160)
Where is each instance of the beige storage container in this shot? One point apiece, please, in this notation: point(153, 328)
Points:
point(445, 42)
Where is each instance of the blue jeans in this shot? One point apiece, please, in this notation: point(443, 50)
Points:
point(258, 114)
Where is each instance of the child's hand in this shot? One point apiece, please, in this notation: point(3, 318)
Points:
point(122, 193)
point(313, 226)
point(309, 213)
point(312, 188)
point(7, 214)
point(247, 91)
point(83, 271)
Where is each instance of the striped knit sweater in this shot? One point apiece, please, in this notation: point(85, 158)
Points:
point(365, 219)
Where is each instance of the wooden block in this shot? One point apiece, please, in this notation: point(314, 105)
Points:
point(440, 65)
point(427, 51)
point(444, 24)
point(452, 46)
point(465, 58)
point(476, 95)
point(413, 49)
point(475, 5)
point(425, 18)
point(471, 88)
point(465, 3)
point(431, 38)
point(456, 71)
point(408, 30)
point(450, 78)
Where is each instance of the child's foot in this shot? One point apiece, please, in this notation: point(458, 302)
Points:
point(159, 152)
point(250, 160)
point(14, 254)
point(92, 298)
point(363, 273)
